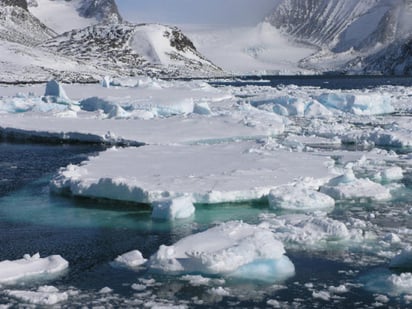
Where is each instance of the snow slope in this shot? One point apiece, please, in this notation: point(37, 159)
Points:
point(261, 49)
point(64, 15)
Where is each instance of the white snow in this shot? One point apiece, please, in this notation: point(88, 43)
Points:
point(44, 296)
point(31, 266)
point(130, 259)
point(170, 209)
point(232, 248)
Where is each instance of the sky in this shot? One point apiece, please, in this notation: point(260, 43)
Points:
point(225, 12)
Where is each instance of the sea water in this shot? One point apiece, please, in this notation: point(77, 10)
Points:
point(90, 234)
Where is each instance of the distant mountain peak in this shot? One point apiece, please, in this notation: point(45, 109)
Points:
point(102, 10)
point(19, 3)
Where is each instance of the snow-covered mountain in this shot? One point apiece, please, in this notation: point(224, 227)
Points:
point(348, 33)
point(66, 15)
point(19, 26)
point(94, 42)
point(128, 49)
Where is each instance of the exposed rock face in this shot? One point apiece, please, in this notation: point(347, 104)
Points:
point(102, 10)
point(19, 3)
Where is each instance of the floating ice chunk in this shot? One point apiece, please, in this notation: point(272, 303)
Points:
point(45, 295)
point(130, 259)
point(402, 260)
point(230, 248)
point(315, 109)
point(358, 104)
point(55, 89)
point(30, 266)
point(171, 209)
point(105, 290)
point(347, 186)
point(389, 174)
point(298, 198)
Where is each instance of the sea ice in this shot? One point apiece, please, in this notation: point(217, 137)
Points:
point(170, 209)
point(44, 296)
point(232, 248)
point(298, 197)
point(130, 259)
point(30, 266)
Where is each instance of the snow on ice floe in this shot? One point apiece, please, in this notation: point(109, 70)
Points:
point(217, 173)
point(31, 266)
point(44, 296)
point(130, 259)
point(298, 197)
point(233, 249)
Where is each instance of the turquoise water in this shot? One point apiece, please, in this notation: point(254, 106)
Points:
point(90, 234)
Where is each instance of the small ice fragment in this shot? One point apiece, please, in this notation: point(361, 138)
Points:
point(105, 290)
point(130, 259)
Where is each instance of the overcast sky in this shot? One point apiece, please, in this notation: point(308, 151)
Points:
point(231, 12)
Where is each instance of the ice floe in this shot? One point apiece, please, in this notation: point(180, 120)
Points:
point(232, 248)
point(402, 260)
point(31, 266)
point(228, 172)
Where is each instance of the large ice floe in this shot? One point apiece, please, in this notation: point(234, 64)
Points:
point(234, 249)
point(216, 173)
point(31, 266)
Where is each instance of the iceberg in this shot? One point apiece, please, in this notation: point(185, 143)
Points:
point(31, 266)
point(232, 249)
point(55, 89)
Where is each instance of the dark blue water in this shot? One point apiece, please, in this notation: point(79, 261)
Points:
point(321, 81)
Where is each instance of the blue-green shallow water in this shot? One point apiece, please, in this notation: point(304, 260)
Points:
point(90, 234)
